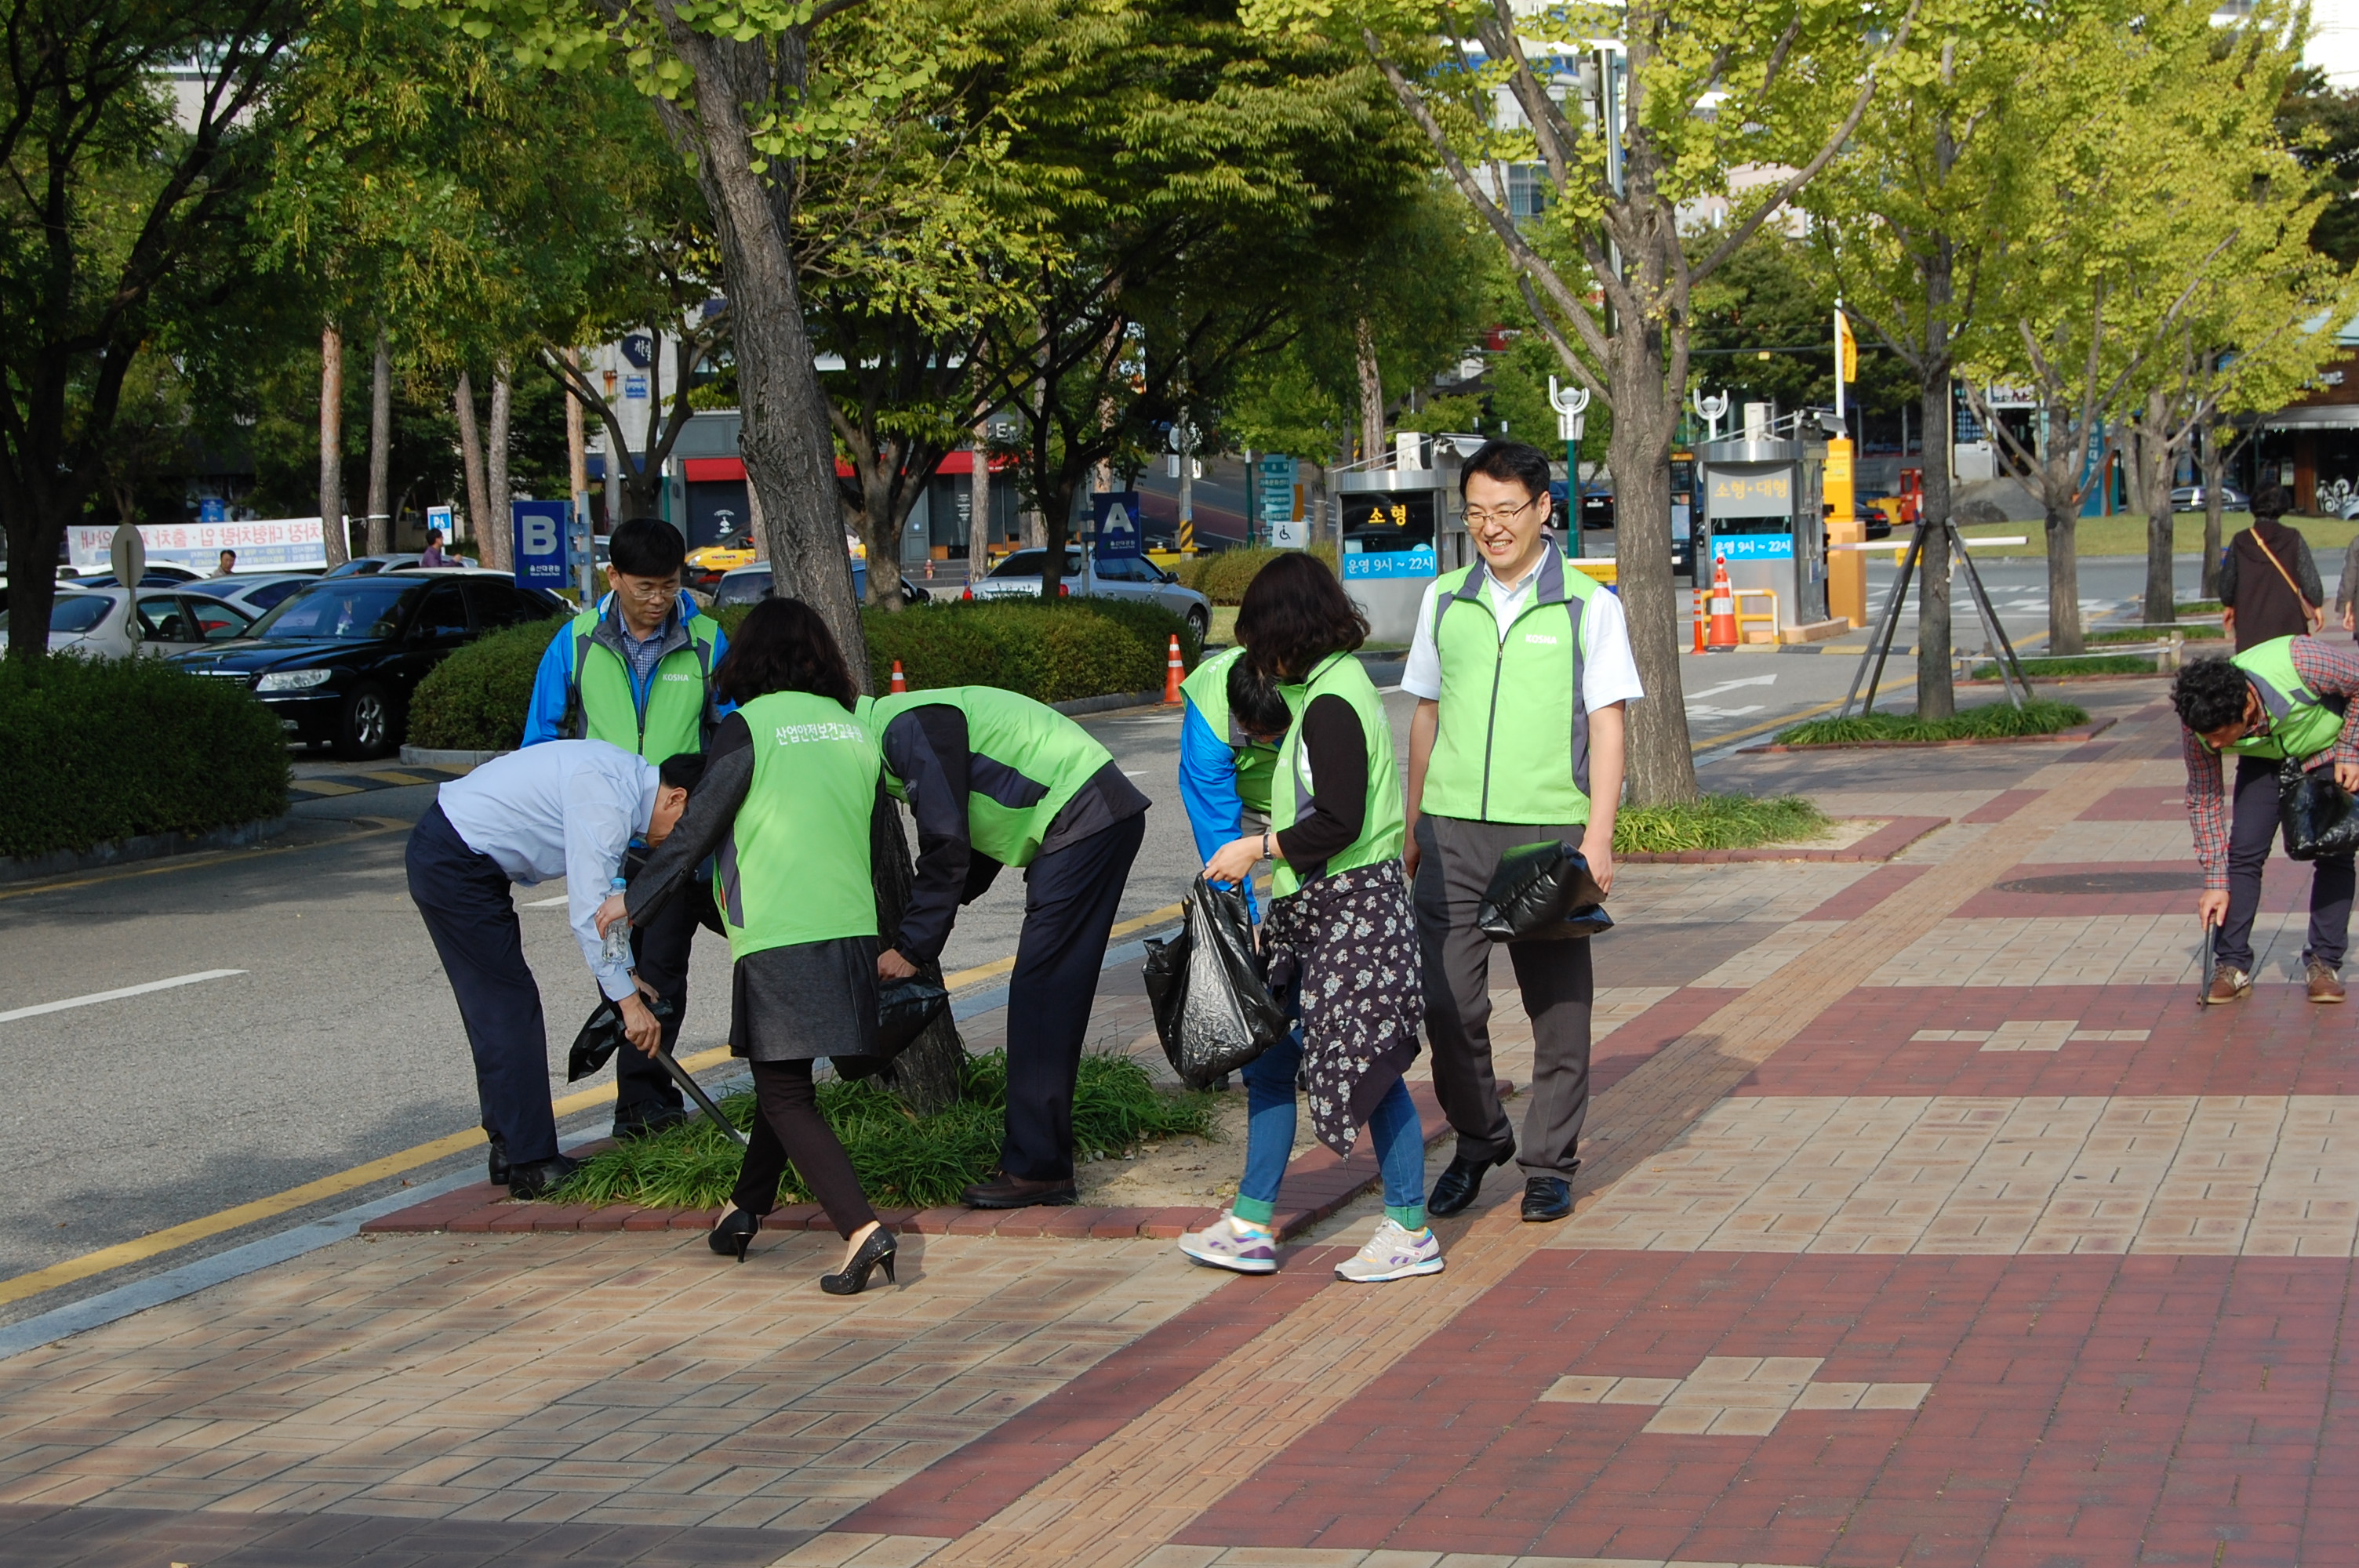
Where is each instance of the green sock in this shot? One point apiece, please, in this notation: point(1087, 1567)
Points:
point(1409, 1217)
point(1254, 1211)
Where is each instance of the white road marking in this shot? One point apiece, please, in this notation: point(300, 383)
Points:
point(546, 903)
point(1732, 686)
point(116, 995)
point(1696, 711)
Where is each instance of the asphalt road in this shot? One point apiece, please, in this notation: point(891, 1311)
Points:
point(336, 1040)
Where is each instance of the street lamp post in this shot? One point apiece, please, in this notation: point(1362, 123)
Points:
point(1572, 417)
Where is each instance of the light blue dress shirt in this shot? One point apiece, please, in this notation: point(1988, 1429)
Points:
point(564, 808)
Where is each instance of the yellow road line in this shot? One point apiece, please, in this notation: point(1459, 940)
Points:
point(394, 778)
point(206, 858)
point(1164, 916)
point(172, 1238)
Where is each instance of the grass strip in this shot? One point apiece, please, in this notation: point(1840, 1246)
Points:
point(1716, 822)
point(902, 1161)
point(2194, 634)
point(1997, 719)
point(2198, 607)
point(2063, 665)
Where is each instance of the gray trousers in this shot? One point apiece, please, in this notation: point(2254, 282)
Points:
point(1457, 859)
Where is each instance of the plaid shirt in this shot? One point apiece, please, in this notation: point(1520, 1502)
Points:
point(2330, 669)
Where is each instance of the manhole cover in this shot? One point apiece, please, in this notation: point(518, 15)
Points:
point(2109, 882)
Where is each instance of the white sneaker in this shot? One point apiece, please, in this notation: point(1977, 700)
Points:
point(1225, 1244)
point(1394, 1252)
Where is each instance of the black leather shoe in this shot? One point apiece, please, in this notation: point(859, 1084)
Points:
point(1547, 1198)
point(639, 1121)
point(1003, 1191)
point(498, 1163)
point(1460, 1186)
point(535, 1178)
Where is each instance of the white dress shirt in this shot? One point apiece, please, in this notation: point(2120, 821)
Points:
point(563, 808)
point(1608, 673)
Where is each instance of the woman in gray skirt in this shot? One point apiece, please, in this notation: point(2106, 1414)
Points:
point(783, 808)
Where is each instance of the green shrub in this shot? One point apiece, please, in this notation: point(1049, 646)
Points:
point(1716, 822)
point(1997, 719)
point(902, 1161)
point(2197, 631)
point(1223, 576)
point(96, 750)
point(475, 699)
point(2059, 667)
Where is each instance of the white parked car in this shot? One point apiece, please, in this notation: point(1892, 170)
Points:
point(1018, 577)
point(255, 592)
point(112, 623)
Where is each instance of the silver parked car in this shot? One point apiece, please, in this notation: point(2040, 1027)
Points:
point(112, 623)
point(1018, 577)
point(2189, 498)
point(255, 592)
point(751, 585)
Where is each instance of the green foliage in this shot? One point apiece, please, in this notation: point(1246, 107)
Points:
point(93, 750)
point(1223, 576)
point(1996, 721)
point(2088, 664)
point(1716, 822)
point(475, 699)
point(902, 1159)
point(2196, 634)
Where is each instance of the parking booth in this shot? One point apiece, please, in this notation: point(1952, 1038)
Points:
point(1760, 503)
point(1400, 528)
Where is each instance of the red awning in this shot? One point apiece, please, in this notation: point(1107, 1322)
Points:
point(700, 469)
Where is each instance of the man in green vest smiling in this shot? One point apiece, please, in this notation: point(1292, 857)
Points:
point(995, 779)
point(1521, 667)
point(635, 671)
point(2286, 697)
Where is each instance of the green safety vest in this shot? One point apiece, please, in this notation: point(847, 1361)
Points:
point(1381, 834)
point(795, 866)
point(1207, 687)
point(1511, 744)
point(1025, 762)
point(2301, 725)
point(601, 706)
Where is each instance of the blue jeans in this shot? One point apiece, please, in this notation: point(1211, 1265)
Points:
point(1269, 1139)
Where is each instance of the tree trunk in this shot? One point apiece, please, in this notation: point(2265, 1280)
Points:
point(2216, 471)
point(1661, 765)
point(1372, 390)
point(927, 1075)
point(577, 441)
point(2155, 451)
point(471, 463)
point(333, 530)
point(1936, 694)
point(380, 521)
point(978, 514)
point(37, 526)
point(2063, 580)
point(498, 553)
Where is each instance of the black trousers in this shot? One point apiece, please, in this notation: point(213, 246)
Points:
point(1070, 896)
point(790, 1128)
point(660, 952)
point(470, 912)
point(2250, 832)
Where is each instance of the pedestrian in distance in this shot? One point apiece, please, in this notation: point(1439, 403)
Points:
point(432, 554)
point(570, 809)
point(1521, 667)
point(227, 564)
point(2268, 581)
point(995, 779)
point(1341, 939)
point(636, 669)
point(786, 811)
point(2289, 698)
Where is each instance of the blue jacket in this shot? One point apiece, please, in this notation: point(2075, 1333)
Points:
point(544, 716)
point(1208, 786)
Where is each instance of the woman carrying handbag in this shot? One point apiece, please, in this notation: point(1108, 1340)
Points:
point(2268, 581)
point(1341, 939)
point(789, 789)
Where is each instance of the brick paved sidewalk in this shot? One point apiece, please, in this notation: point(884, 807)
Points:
point(1924, 1220)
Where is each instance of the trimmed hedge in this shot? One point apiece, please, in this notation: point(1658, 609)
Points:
point(475, 699)
point(1223, 576)
point(92, 751)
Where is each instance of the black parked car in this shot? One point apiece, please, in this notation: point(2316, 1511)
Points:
point(337, 662)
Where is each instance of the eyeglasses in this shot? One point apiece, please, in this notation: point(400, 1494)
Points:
point(1484, 519)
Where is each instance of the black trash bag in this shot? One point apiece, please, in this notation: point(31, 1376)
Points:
point(904, 1010)
point(602, 1036)
point(1542, 893)
point(1212, 1008)
point(2318, 816)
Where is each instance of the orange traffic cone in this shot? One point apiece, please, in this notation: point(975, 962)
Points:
point(1697, 618)
point(1724, 607)
point(900, 681)
point(1171, 672)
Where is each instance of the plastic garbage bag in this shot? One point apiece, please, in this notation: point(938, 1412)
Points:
point(1213, 1007)
point(1542, 893)
point(905, 1008)
point(602, 1036)
point(2317, 814)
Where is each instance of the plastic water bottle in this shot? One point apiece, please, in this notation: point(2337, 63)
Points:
point(618, 935)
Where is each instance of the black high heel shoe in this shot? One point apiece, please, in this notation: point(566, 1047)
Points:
point(734, 1233)
point(875, 1252)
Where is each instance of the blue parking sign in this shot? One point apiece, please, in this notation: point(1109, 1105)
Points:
point(1116, 534)
point(541, 543)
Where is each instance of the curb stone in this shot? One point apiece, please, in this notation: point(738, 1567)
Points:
point(144, 847)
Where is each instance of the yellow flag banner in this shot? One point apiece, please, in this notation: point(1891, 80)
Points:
point(1846, 349)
